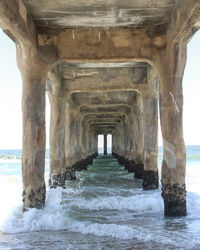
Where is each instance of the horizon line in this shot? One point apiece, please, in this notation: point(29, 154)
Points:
point(100, 147)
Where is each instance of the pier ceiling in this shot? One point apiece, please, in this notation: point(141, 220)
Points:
point(105, 109)
point(105, 112)
point(102, 65)
point(104, 98)
point(105, 64)
point(91, 13)
point(135, 71)
point(103, 123)
point(99, 77)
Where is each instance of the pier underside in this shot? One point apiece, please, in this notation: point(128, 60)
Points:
point(106, 67)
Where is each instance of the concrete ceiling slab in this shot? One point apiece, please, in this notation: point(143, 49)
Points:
point(104, 13)
point(102, 98)
point(105, 109)
point(100, 72)
point(88, 65)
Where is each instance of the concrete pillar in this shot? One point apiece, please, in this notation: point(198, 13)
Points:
point(150, 113)
point(136, 142)
point(90, 140)
point(77, 138)
point(88, 151)
point(34, 75)
point(137, 136)
point(126, 136)
point(105, 145)
point(94, 142)
point(138, 133)
point(113, 142)
point(171, 69)
point(83, 139)
point(70, 127)
point(57, 131)
point(121, 138)
point(119, 131)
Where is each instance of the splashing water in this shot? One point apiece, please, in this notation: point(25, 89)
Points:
point(104, 208)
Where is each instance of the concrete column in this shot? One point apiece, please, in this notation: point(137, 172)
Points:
point(57, 131)
point(121, 139)
point(138, 133)
point(34, 134)
point(105, 145)
point(126, 138)
point(88, 152)
point(83, 139)
point(77, 137)
point(90, 140)
point(95, 143)
point(136, 158)
point(171, 69)
point(70, 127)
point(150, 114)
point(113, 143)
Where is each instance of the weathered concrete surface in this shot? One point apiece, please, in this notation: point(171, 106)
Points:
point(34, 132)
point(150, 120)
point(105, 145)
point(171, 70)
point(150, 179)
point(104, 13)
point(102, 80)
point(57, 129)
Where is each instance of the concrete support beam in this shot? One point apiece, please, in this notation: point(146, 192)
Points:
point(128, 139)
point(113, 142)
point(183, 21)
point(73, 138)
point(120, 139)
point(80, 143)
point(70, 140)
point(115, 44)
point(138, 136)
point(105, 145)
point(57, 130)
point(150, 114)
point(83, 139)
point(34, 75)
point(94, 140)
point(126, 136)
point(170, 68)
point(135, 135)
point(16, 21)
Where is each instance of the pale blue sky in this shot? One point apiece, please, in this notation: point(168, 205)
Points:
point(10, 95)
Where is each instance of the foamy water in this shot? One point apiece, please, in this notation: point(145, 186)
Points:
point(104, 208)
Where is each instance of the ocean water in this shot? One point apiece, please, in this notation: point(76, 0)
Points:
point(105, 208)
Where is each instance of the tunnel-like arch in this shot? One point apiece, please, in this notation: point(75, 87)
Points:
point(117, 58)
point(110, 109)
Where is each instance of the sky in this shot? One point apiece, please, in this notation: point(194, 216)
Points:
point(11, 91)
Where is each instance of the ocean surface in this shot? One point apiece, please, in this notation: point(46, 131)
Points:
point(105, 208)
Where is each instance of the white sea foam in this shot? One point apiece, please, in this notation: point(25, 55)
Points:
point(10, 193)
point(61, 204)
point(113, 230)
point(138, 203)
point(55, 215)
point(49, 218)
